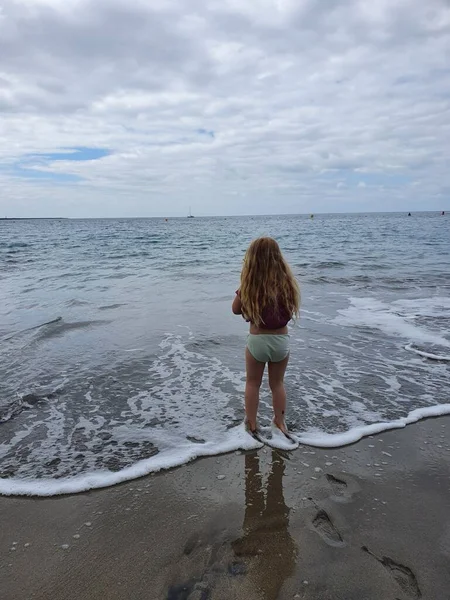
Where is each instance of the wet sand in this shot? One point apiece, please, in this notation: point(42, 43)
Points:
point(366, 522)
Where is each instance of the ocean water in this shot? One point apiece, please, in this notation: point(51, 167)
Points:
point(120, 356)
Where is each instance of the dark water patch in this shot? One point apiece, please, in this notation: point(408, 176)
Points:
point(13, 245)
point(380, 267)
point(60, 328)
point(442, 321)
point(191, 262)
point(367, 281)
point(149, 238)
point(203, 343)
point(302, 265)
point(195, 440)
point(200, 247)
point(131, 254)
point(117, 276)
point(52, 322)
point(86, 450)
point(111, 306)
point(12, 253)
point(25, 402)
point(353, 281)
point(328, 264)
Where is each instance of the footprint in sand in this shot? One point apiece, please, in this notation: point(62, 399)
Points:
point(339, 486)
point(325, 528)
point(342, 488)
point(401, 573)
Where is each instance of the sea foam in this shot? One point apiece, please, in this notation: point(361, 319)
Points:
point(235, 439)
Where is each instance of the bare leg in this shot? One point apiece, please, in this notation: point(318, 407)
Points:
point(255, 370)
point(276, 383)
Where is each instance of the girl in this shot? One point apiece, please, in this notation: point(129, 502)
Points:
point(268, 298)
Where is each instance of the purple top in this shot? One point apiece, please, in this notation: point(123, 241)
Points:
point(273, 317)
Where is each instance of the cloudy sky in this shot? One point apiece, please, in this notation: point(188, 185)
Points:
point(147, 107)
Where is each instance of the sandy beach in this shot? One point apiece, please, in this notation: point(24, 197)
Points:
point(365, 522)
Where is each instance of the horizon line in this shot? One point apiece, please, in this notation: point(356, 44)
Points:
point(206, 216)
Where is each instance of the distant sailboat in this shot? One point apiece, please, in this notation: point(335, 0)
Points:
point(190, 215)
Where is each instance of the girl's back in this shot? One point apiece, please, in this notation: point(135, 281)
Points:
point(269, 297)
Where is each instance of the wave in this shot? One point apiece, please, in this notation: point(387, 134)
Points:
point(22, 331)
point(392, 319)
point(429, 355)
point(76, 302)
point(328, 264)
point(62, 327)
point(111, 306)
point(235, 439)
point(369, 281)
point(9, 245)
point(351, 280)
point(147, 412)
point(337, 440)
point(54, 328)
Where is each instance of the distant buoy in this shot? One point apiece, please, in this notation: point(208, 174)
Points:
point(443, 213)
point(166, 220)
point(409, 214)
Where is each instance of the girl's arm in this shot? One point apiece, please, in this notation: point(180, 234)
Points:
point(237, 304)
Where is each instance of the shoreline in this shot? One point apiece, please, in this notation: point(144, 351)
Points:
point(248, 525)
point(238, 440)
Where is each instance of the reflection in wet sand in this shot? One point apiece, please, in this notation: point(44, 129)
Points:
point(266, 544)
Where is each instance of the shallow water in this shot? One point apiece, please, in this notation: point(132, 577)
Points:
point(118, 344)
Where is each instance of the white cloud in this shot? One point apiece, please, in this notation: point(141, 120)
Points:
point(306, 100)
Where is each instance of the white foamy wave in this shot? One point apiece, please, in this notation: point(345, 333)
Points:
point(433, 306)
point(375, 314)
point(429, 355)
point(181, 395)
point(235, 439)
point(336, 440)
point(184, 401)
point(274, 438)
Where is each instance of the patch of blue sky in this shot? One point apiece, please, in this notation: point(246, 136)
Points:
point(77, 153)
point(30, 166)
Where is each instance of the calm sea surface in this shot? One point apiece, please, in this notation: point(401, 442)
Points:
point(117, 341)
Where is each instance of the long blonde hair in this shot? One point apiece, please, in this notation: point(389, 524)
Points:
point(267, 281)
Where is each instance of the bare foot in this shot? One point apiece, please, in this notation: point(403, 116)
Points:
point(250, 427)
point(281, 426)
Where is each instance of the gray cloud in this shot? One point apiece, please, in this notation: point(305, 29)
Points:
point(313, 106)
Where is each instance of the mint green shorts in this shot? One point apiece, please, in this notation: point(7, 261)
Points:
point(268, 347)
